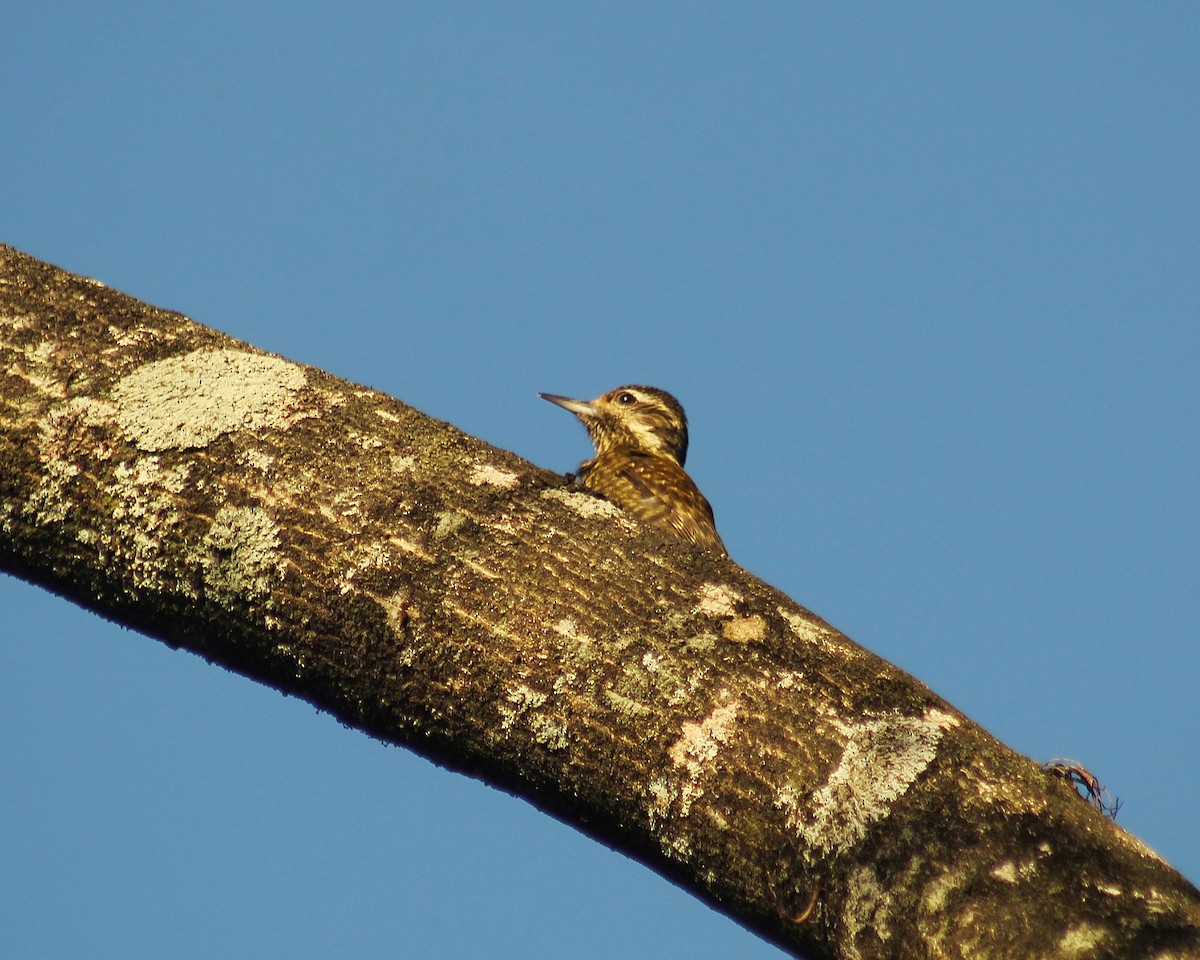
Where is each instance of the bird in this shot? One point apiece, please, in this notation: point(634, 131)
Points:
point(641, 438)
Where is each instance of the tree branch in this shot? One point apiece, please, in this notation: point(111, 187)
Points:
point(436, 592)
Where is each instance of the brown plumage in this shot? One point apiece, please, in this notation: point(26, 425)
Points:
point(641, 439)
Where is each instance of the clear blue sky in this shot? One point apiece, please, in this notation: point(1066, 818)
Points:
point(925, 276)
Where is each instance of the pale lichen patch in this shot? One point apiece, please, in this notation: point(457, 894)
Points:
point(257, 460)
point(520, 700)
point(583, 504)
point(701, 741)
point(448, 523)
point(804, 628)
point(718, 600)
point(697, 749)
point(145, 516)
point(484, 474)
point(661, 796)
point(240, 559)
point(549, 732)
point(882, 758)
point(750, 629)
point(188, 401)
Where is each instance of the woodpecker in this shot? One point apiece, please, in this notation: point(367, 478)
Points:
point(641, 440)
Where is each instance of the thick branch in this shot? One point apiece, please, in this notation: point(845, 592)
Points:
point(436, 592)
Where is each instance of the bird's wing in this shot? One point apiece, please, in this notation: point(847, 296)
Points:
point(658, 490)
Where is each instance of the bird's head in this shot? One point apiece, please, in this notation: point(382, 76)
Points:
point(644, 418)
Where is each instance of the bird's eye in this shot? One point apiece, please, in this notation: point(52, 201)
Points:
point(626, 398)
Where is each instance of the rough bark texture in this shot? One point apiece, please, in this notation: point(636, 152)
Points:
point(439, 593)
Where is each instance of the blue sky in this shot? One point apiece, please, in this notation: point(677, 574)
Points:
point(925, 277)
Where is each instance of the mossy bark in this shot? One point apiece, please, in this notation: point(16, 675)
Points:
point(436, 592)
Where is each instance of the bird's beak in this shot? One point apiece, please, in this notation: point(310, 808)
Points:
point(581, 408)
